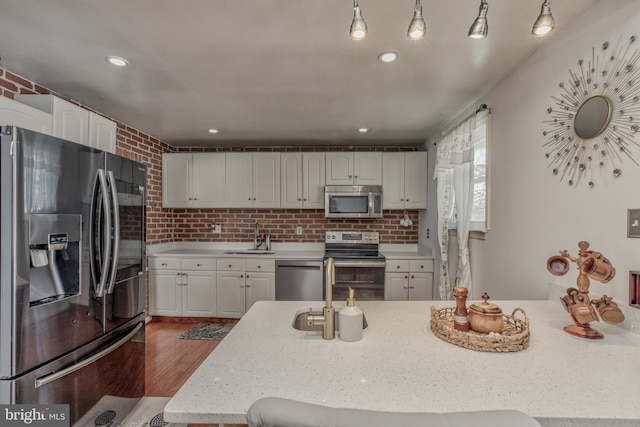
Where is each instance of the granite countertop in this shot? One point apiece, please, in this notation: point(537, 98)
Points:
point(281, 251)
point(400, 365)
point(220, 253)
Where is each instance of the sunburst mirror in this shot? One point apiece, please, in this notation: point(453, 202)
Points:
point(595, 118)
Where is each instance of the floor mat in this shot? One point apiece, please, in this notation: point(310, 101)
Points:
point(149, 413)
point(208, 331)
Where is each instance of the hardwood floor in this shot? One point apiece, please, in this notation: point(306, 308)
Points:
point(170, 361)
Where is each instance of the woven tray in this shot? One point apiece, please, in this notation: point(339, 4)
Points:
point(514, 336)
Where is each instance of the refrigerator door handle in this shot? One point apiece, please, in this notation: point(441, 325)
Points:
point(44, 380)
point(101, 282)
point(115, 206)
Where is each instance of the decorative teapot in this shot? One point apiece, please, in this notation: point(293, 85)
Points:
point(485, 317)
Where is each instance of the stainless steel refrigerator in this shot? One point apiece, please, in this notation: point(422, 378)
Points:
point(72, 271)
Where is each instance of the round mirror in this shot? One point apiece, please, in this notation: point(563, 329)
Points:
point(592, 117)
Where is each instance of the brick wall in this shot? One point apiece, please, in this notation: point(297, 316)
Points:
point(146, 149)
point(168, 225)
point(238, 225)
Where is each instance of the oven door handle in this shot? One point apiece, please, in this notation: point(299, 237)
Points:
point(363, 264)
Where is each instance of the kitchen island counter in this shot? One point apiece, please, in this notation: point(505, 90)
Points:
point(400, 365)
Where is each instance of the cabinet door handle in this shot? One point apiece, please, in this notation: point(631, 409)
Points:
point(241, 276)
point(413, 277)
point(407, 200)
point(398, 267)
point(164, 264)
point(405, 287)
point(247, 286)
point(411, 287)
point(198, 265)
point(186, 279)
point(304, 199)
point(299, 199)
point(406, 277)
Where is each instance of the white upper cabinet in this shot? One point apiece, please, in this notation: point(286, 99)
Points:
point(193, 180)
point(353, 168)
point(313, 179)
point(291, 180)
point(302, 180)
point(253, 180)
point(13, 113)
point(239, 181)
point(102, 133)
point(176, 180)
point(74, 123)
point(70, 122)
point(404, 180)
point(266, 180)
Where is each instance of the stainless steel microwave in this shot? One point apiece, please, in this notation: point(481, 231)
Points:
point(353, 201)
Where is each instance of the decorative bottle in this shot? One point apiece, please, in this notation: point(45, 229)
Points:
point(350, 320)
point(461, 315)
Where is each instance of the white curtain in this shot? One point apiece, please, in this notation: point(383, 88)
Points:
point(454, 172)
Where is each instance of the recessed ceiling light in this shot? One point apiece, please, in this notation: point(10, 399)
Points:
point(213, 130)
point(388, 56)
point(363, 130)
point(117, 61)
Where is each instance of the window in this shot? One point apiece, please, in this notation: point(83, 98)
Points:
point(479, 218)
point(479, 213)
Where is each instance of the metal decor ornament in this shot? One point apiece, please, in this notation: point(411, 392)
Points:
point(595, 119)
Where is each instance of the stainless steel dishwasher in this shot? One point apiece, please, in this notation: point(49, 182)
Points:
point(299, 280)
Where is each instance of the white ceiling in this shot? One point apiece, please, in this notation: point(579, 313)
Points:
point(281, 72)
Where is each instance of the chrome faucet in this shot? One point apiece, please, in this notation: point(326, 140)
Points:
point(327, 320)
point(257, 241)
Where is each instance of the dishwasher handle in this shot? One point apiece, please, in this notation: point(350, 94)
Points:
point(298, 265)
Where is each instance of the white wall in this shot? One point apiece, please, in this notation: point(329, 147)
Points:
point(533, 214)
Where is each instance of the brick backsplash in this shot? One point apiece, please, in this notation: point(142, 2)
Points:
point(167, 225)
point(238, 225)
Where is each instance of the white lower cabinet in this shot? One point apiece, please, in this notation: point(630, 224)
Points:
point(241, 282)
point(408, 280)
point(182, 287)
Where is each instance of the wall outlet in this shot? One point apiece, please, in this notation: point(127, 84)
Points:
point(216, 228)
point(298, 230)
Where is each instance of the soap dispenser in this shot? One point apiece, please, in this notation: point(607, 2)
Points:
point(350, 320)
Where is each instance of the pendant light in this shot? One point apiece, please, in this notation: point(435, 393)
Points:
point(417, 28)
point(358, 29)
point(480, 27)
point(545, 22)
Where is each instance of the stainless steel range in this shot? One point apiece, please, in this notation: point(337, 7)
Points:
point(358, 264)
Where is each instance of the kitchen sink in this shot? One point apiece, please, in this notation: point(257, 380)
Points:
point(302, 322)
point(250, 252)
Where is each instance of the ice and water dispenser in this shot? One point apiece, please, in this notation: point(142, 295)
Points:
point(54, 251)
